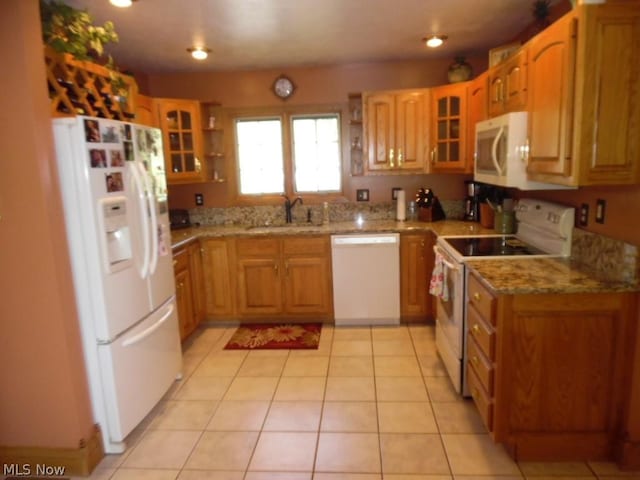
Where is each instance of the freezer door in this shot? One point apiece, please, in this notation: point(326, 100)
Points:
point(137, 370)
point(148, 151)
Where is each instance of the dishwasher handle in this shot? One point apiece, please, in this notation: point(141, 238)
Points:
point(365, 240)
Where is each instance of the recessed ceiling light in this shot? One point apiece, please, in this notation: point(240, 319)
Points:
point(434, 41)
point(199, 53)
point(121, 3)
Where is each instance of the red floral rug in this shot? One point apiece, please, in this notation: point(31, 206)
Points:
point(275, 336)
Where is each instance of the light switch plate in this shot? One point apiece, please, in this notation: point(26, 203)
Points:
point(583, 215)
point(601, 206)
point(362, 195)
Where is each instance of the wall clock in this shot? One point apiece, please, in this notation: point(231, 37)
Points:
point(283, 87)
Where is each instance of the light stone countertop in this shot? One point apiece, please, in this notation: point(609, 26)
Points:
point(544, 275)
point(503, 276)
point(444, 227)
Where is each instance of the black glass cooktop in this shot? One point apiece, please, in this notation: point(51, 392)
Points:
point(492, 246)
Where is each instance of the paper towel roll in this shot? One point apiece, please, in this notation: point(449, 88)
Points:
point(401, 206)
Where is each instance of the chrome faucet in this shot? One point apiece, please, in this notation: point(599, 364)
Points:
point(288, 207)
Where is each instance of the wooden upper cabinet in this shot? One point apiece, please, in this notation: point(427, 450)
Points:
point(477, 108)
point(508, 85)
point(395, 130)
point(583, 96)
point(551, 87)
point(410, 130)
point(144, 111)
point(448, 128)
point(181, 130)
point(607, 149)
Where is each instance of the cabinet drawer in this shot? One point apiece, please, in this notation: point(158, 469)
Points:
point(482, 299)
point(480, 364)
point(305, 245)
point(180, 260)
point(481, 332)
point(247, 247)
point(483, 401)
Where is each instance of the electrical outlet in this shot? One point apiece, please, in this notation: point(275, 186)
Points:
point(583, 215)
point(601, 206)
point(362, 195)
point(199, 199)
point(394, 193)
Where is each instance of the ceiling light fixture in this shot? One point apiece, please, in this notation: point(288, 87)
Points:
point(434, 41)
point(199, 53)
point(121, 3)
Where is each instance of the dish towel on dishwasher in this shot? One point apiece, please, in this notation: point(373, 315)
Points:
point(438, 285)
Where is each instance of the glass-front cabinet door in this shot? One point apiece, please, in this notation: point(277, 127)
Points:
point(181, 129)
point(448, 128)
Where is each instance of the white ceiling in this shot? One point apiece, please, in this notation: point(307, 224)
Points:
point(256, 34)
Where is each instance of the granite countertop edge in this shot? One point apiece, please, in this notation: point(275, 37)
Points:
point(445, 227)
point(504, 277)
point(549, 275)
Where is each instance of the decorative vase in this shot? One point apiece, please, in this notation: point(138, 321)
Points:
point(459, 71)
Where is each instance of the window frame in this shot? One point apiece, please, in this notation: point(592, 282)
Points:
point(315, 116)
point(286, 115)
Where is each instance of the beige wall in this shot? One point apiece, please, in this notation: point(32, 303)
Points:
point(44, 400)
point(315, 86)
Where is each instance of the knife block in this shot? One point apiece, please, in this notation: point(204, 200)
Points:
point(432, 213)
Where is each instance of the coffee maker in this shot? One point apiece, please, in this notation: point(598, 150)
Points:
point(472, 201)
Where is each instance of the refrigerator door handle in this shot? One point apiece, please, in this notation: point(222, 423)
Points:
point(153, 215)
point(148, 331)
point(139, 193)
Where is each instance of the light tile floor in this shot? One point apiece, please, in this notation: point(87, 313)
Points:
point(370, 403)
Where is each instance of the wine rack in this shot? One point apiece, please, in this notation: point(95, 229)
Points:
point(85, 88)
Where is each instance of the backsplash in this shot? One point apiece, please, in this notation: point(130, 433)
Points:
point(613, 259)
point(338, 212)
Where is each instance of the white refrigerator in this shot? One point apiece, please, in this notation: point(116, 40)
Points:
point(116, 215)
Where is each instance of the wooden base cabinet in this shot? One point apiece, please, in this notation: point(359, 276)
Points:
point(550, 373)
point(416, 264)
point(289, 276)
point(187, 266)
point(217, 260)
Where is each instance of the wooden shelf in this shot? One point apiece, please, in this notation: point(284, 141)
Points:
point(85, 88)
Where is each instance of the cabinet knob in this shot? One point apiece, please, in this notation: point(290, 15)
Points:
point(433, 155)
point(476, 297)
point(275, 268)
point(175, 262)
point(476, 327)
point(391, 158)
point(475, 360)
point(400, 158)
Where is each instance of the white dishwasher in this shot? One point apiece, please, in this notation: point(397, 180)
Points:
point(366, 279)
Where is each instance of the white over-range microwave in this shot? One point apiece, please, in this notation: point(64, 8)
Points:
point(501, 153)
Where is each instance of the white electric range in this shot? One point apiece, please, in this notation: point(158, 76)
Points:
point(544, 230)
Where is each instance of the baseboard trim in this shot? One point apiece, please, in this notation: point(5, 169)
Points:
point(76, 461)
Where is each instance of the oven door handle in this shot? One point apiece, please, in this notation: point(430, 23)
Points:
point(449, 265)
